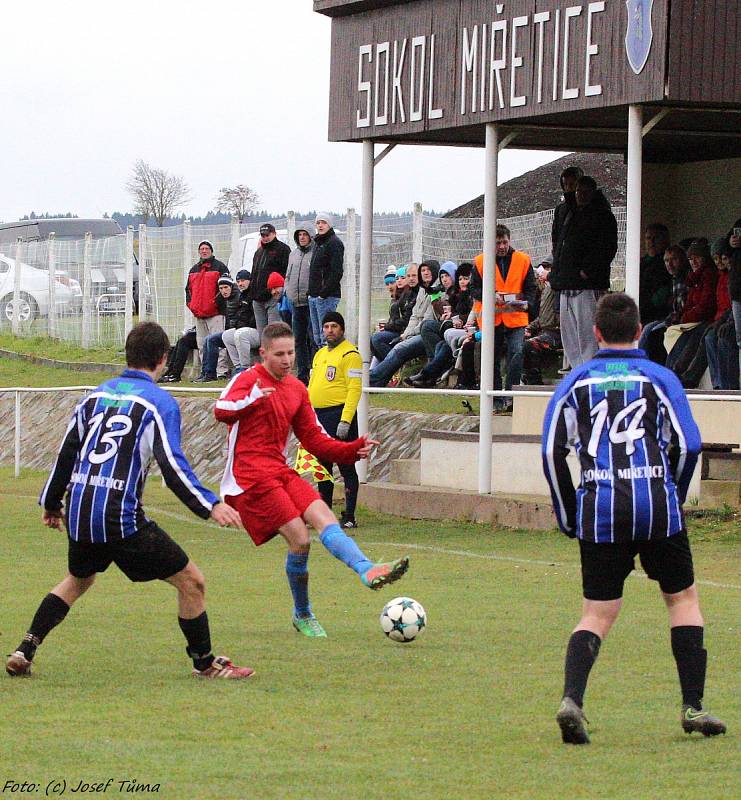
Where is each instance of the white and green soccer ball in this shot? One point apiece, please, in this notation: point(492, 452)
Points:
point(403, 619)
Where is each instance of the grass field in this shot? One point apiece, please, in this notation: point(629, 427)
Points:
point(464, 712)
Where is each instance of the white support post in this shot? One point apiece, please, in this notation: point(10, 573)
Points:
point(51, 265)
point(290, 226)
point(187, 264)
point(234, 255)
point(87, 299)
point(350, 277)
point(17, 437)
point(143, 276)
point(633, 215)
point(366, 263)
point(129, 275)
point(491, 163)
point(417, 233)
point(16, 327)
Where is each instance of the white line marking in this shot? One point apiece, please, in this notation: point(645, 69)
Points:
point(409, 546)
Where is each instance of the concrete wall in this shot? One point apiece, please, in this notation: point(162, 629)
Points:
point(718, 421)
point(517, 468)
point(697, 199)
point(44, 418)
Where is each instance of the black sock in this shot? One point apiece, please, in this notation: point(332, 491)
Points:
point(692, 660)
point(198, 636)
point(49, 614)
point(581, 654)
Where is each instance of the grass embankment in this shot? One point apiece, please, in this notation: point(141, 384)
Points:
point(21, 373)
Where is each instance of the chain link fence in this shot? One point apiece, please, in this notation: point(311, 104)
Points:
point(89, 291)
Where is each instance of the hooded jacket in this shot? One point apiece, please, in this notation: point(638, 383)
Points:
point(202, 287)
point(327, 264)
point(587, 243)
point(297, 276)
point(270, 257)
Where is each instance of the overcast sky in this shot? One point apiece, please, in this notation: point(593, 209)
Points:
point(219, 92)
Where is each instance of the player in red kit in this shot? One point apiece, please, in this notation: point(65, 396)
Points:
point(261, 407)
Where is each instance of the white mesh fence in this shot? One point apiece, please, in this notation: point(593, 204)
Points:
point(70, 289)
point(88, 306)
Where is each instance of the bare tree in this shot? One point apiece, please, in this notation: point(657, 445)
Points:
point(156, 192)
point(238, 201)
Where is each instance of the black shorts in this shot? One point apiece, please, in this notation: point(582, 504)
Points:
point(148, 555)
point(604, 567)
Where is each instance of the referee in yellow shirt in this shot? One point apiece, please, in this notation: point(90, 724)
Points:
point(335, 386)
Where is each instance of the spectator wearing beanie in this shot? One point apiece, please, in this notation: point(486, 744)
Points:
point(201, 291)
point(277, 287)
point(271, 256)
point(400, 310)
point(334, 391)
point(325, 275)
point(297, 290)
point(699, 309)
point(242, 341)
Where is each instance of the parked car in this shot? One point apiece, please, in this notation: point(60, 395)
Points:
point(107, 273)
point(34, 294)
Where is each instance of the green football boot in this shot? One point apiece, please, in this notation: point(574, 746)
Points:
point(309, 626)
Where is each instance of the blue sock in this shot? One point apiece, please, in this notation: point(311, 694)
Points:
point(298, 579)
point(344, 548)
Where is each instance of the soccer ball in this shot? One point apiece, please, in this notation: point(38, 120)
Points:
point(403, 619)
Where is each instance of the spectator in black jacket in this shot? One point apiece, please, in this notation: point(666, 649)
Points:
point(562, 216)
point(325, 274)
point(586, 247)
point(271, 256)
point(242, 341)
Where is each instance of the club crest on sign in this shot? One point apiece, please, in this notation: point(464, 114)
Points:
point(639, 34)
point(330, 373)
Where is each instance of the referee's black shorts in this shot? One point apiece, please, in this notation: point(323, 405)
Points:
point(149, 555)
point(604, 567)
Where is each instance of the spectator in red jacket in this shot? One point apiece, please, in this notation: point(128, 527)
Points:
point(201, 291)
point(699, 308)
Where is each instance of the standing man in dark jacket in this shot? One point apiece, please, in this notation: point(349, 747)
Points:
point(327, 264)
point(297, 290)
point(585, 249)
point(201, 291)
point(271, 256)
point(562, 215)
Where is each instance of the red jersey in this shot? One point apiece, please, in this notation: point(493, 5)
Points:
point(260, 426)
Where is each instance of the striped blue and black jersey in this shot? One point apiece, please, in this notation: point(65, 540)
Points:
point(104, 458)
point(637, 445)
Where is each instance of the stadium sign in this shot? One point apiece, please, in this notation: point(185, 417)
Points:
point(439, 64)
